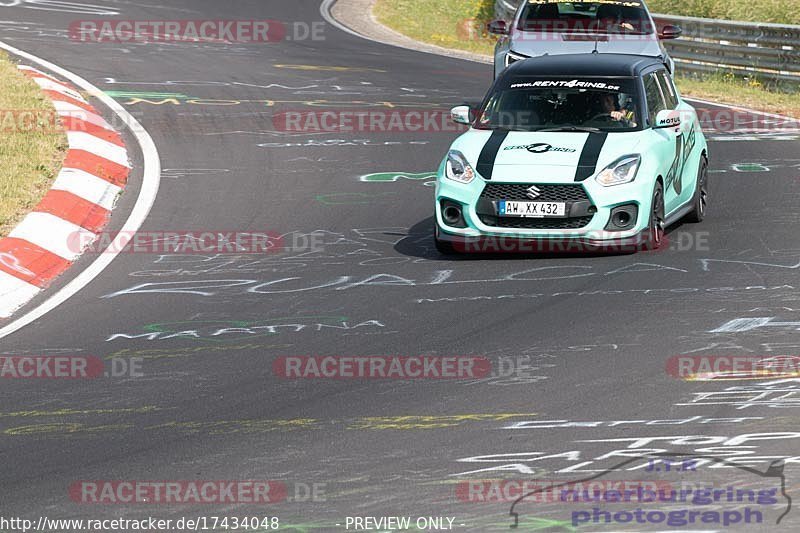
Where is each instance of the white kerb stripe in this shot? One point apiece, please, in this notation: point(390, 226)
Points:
point(71, 110)
point(31, 69)
point(87, 186)
point(54, 234)
point(79, 140)
point(14, 293)
point(50, 85)
point(151, 179)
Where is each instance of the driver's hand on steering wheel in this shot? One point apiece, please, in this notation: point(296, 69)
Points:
point(618, 115)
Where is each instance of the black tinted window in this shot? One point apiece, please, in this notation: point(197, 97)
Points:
point(604, 16)
point(668, 89)
point(530, 104)
point(655, 100)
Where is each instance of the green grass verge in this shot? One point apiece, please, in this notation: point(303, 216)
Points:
point(446, 23)
point(778, 11)
point(30, 155)
point(725, 88)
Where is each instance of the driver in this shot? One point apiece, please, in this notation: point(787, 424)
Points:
point(606, 104)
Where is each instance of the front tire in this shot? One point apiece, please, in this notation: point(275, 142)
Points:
point(443, 247)
point(654, 235)
point(700, 200)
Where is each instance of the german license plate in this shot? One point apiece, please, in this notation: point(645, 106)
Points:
point(531, 209)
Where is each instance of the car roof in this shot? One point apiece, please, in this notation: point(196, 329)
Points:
point(589, 65)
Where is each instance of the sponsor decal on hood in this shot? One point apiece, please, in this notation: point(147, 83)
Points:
point(540, 148)
point(530, 148)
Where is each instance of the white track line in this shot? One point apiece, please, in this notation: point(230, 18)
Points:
point(325, 10)
point(144, 203)
point(745, 109)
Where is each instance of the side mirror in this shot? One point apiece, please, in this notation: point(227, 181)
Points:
point(668, 118)
point(670, 32)
point(497, 27)
point(461, 115)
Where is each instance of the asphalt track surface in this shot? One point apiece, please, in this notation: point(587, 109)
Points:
point(596, 332)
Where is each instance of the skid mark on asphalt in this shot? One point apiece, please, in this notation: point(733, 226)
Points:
point(327, 68)
point(177, 99)
point(74, 412)
point(427, 422)
point(174, 353)
point(356, 198)
point(64, 430)
point(259, 426)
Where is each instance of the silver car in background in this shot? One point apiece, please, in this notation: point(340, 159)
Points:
point(549, 27)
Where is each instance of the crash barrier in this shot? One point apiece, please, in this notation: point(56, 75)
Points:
point(768, 52)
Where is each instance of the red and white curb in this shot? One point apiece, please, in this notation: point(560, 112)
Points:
point(77, 206)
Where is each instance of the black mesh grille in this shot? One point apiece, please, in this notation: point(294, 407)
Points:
point(549, 193)
point(536, 223)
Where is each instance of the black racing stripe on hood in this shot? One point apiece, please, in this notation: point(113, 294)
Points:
point(587, 164)
point(489, 153)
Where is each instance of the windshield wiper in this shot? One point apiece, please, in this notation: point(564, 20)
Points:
point(588, 129)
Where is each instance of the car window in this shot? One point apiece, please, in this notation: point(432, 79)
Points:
point(668, 89)
point(611, 16)
point(654, 96)
point(531, 104)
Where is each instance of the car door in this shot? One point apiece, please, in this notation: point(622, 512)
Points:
point(686, 174)
point(669, 145)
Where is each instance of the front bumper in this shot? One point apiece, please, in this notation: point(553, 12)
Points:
point(586, 225)
point(534, 245)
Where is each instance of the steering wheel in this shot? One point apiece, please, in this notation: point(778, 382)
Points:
point(605, 116)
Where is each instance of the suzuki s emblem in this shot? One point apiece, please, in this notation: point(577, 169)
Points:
point(533, 192)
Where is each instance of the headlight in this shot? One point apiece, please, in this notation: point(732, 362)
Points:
point(623, 170)
point(458, 168)
point(511, 57)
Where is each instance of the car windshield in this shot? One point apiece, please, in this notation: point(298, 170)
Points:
point(608, 104)
point(603, 16)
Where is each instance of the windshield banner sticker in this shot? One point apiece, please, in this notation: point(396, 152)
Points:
point(567, 84)
point(629, 3)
